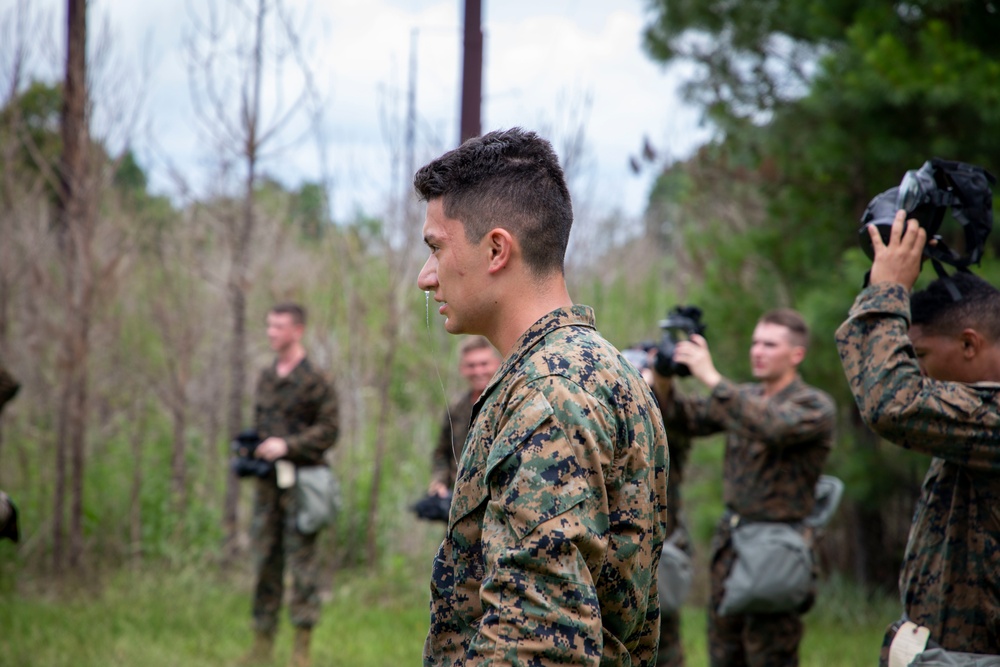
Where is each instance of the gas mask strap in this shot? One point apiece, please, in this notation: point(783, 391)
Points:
point(946, 280)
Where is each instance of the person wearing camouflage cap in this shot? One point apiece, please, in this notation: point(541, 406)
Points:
point(559, 508)
point(925, 372)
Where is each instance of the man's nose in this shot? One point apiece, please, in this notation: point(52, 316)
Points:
point(427, 278)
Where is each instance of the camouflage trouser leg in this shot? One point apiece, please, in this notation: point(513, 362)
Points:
point(751, 640)
point(277, 541)
point(671, 651)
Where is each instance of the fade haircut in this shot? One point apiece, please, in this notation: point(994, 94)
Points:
point(475, 343)
point(939, 314)
point(509, 179)
point(791, 320)
point(297, 312)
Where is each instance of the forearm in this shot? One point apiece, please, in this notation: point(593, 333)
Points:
point(687, 415)
point(776, 423)
point(953, 421)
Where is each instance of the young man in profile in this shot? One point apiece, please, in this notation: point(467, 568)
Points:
point(558, 513)
point(925, 372)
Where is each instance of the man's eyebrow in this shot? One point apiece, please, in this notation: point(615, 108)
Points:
point(430, 238)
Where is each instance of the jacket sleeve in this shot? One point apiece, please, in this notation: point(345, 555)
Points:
point(954, 421)
point(808, 415)
point(687, 415)
point(308, 446)
point(443, 453)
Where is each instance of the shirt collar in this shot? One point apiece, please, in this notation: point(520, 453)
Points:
point(575, 316)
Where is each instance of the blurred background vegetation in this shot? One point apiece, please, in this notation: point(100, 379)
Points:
point(135, 322)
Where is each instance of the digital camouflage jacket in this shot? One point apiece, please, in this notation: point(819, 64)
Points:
point(558, 515)
point(950, 579)
point(301, 408)
point(451, 442)
point(775, 447)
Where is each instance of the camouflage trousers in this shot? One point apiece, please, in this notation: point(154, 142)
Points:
point(671, 651)
point(746, 640)
point(277, 543)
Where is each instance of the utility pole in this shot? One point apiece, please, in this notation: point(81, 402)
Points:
point(472, 72)
point(411, 111)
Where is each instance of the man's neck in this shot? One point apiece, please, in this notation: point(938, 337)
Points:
point(774, 387)
point(525, 305)
point(288, 359)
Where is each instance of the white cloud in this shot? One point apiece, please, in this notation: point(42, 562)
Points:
point(538, 58)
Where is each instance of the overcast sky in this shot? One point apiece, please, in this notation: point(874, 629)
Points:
point(542, 60)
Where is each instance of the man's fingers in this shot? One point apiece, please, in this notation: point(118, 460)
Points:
point(898, 225)
point(916, 235)
point(876, 238)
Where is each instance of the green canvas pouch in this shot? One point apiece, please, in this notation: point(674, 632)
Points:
point(318, 498)
point(773, 571)
point(673, 576)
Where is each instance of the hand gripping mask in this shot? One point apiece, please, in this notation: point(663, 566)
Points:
point(926, 194)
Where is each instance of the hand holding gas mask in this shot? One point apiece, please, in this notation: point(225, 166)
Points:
point(926, 194)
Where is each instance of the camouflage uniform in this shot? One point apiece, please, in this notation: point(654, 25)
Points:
point(950, 579)
point(559, 511)
point(451, 444)
point(775, 451)
point(301, 408)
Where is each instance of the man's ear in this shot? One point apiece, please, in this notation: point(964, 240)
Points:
point(972, 343)
point(502, 246)
point(798, 354)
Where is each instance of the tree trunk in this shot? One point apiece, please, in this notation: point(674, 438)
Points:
point(390, 333)
point(238, 277)
point(234, 422)
point(178, 456)
point(135, 494)
point(73, 235)
point(78, 428)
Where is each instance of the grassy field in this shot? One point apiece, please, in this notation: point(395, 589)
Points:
point(194, 618)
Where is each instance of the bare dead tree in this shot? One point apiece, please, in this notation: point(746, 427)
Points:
point(89, 265)
point(223, 50)
point(73, 228)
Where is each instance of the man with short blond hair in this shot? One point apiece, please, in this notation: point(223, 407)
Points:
point(478, 361)
point(779, 432)
point(296, 417)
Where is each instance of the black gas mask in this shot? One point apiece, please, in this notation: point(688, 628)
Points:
point(926, 194)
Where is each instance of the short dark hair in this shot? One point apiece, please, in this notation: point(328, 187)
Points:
point(938, 313)
point(791, 320)
point(509, 179)
point(297, 311)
